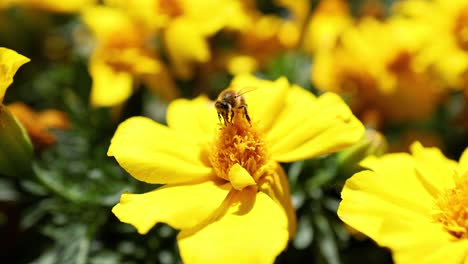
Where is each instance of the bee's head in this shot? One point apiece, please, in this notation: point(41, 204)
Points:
point(222, 106)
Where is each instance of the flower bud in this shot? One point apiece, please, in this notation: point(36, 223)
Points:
point(372, 143)
point(16, 150)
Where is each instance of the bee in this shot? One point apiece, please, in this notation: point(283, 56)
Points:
point(227, 104)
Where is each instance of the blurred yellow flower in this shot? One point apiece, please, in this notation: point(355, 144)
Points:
point(416, 205)
point(186, 26)
point(122, 54)
point(445, 27)
point(267, 36)
point(373, 64)
point(329, 20)
point(251, 36)
point(67, 6)
point(10, 61)
point(223, 186)
point(198, 21)
point(151, 15)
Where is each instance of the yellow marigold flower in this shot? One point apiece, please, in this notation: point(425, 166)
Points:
point(374, 64)
point(415, 204)
point(445, 26)
point(121, 55)
point(68, 6)
point(186, 21)
point(329, 20)
point(267, 36)
point(198, 21)
point(152, 15)
point(10, 61)
point(223, 186)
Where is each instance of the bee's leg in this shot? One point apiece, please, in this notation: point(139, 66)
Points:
point(232, 116)
point(222, 116)
point(245, 112)
point(225, 118)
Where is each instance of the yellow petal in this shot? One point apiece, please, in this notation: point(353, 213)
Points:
point(177, 35)
point(110, 87)
point(153, 153)
point(253, 230)
point(242, 64)
point(10, 61)
point(240, 177)
point(279, 191)
point(452, 252)
point(324, 71)
point(197, 116)
point(463, 164)
point(309, 126)
point(399, 233)
point(211, 16)
point(422, 240)
point(395, 168)
point(448, 252)
point(265, 99)
point(111, 26)
point(434, 168)
point(136, 59)
point(180, 206)
point(369, 198)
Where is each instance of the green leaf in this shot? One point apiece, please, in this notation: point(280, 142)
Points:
point(72, 246)
point(294, 65)
point(8, 191)
point(325, 171)
point(325, 239)
point(305, 233)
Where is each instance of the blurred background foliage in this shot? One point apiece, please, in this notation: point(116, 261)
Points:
point(58, 210)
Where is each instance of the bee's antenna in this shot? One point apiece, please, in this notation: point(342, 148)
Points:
point(243, 90)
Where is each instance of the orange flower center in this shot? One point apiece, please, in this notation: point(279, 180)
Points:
point(453, 205)
point(171, 8)
point(240, 143)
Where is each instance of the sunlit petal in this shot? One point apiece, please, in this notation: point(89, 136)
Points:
point(279, 191)
point(368, 199)
point(10, 61)
point(311, 126)
point(197, 116)
point(464, 162)
point(180, 206)
point(433, 167)
point(240, 177)
point(265, 99)
point(422, 240)
point(151, 152)
point(253, 230)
